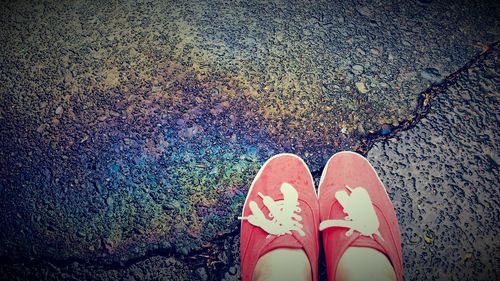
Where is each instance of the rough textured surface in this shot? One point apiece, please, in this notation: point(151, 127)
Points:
point(130, 130)
point(153, 268)
point(443, 177)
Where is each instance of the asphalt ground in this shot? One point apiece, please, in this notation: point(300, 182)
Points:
point(130, 131)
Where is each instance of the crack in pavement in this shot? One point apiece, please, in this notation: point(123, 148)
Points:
point(424, 102)
point(206, 256)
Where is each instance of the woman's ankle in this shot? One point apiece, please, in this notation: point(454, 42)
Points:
point(283, 264)
point(359, 263)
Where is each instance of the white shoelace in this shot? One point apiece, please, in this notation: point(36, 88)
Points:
point(283, 214)
point(361, 215)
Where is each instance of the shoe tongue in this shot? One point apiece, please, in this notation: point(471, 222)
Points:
point(283, 241)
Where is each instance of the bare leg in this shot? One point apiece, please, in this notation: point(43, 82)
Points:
point(364, 264)
point(283, 264)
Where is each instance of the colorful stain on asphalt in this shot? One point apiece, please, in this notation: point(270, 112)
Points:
point(124, 133)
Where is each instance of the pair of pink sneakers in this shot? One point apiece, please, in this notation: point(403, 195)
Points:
point(351, 209)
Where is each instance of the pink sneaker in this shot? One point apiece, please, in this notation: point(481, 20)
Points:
point(281, 211)
point(356, 211)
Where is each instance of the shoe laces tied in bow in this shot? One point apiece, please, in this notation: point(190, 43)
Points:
point(360, 212)
point(283, 214)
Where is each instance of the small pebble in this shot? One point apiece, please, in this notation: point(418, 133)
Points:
point(361, 130)
point(59, 110)
point(385, 130)
point(364, 10)
point(202, 273)
point(375, 51)
point(41, 128)
point(110, 201)
point(180, 122)
point(357, 69)
point(360, 51)
point(361, 87)
point(431, 74)
point(233, 270)
point(84, 139)
point(55, 122)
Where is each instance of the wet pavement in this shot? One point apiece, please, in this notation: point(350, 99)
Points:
point(131, 131)
point(443, 177)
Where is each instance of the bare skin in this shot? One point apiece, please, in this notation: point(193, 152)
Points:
point(357, 264)
point(283, 264)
